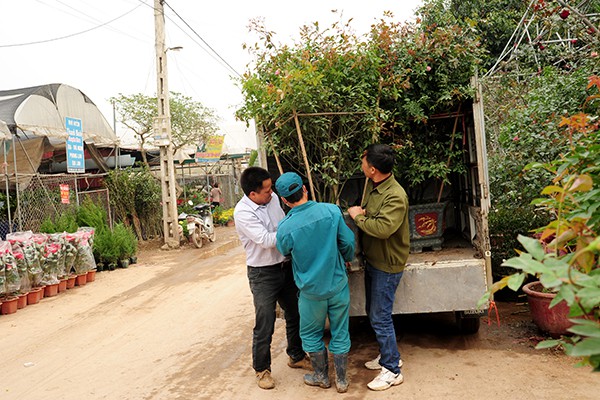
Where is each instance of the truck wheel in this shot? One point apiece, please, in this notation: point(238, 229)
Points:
point(467, 325)
point(196, 239)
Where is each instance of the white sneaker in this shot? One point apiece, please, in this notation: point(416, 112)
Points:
point(385, 380)
point(374, 364)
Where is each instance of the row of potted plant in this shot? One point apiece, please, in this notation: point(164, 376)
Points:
point(34, 262)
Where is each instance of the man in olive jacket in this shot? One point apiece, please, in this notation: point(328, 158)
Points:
point(383, 221)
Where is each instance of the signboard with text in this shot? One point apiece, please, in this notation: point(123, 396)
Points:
point(75, 158)
point(64, 193)
point(211, 150)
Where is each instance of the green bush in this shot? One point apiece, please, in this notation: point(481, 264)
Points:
point(126, 241)
point(106, 246)
point(505, 224)
point(92, 215)
point(67, 222)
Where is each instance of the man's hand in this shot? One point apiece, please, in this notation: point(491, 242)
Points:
point(356, 210)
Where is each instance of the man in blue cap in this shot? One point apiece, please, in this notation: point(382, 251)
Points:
point(320, 243)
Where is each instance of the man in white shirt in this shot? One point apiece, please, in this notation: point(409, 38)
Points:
point(270, 275)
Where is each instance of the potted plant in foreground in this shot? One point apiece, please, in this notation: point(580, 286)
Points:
point(565, 256)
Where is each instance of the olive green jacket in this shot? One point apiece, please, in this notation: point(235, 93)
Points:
point(385, 233)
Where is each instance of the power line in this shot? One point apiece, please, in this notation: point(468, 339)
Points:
point(70, 35)
point(203, 41)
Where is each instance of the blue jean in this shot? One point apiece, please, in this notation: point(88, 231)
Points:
point(380, 289)
point(271, 285)
point(313, 314)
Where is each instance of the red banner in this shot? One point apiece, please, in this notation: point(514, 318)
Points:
point(64, 194)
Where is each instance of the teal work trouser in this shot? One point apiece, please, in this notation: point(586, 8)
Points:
point(313, 314)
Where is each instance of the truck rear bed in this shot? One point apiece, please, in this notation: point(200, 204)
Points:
point(452, 279)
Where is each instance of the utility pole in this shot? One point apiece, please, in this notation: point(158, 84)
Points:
point(162, 133)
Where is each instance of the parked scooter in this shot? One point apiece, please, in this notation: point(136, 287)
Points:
point(200, 226)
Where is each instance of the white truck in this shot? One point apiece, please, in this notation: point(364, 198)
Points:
point(453, 278)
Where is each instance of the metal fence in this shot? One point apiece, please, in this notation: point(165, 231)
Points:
point(201, 177)
point(49, 196)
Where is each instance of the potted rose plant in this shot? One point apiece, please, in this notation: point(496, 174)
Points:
point(565, 255)
point(10, 281)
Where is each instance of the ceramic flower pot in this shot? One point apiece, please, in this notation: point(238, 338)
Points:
point(551, 320)
point(426, 223)
point(9, 305)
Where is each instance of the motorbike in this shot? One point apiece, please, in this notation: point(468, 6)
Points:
point(200, 226)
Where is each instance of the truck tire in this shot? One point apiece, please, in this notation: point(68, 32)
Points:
point(467, 325)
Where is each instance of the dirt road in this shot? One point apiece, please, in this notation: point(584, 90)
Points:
point(178, 325)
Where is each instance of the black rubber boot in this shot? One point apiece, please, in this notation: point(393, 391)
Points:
point(340, 361)
point(320, 363)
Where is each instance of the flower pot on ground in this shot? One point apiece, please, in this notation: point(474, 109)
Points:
point(51, 290)
point(91, 275)
point(124, 263)
point(81, 279)
point(9, 305)
point(62, 285)
point(71, 281)
point(555, 320)
point(133, 260)
point(22, 301)
point(34, 296)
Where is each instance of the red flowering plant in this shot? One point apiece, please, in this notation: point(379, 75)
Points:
point(11, 283)
point(35, 256)
point(52, 263)
point(16, 241)
point(70, 252)
point(85, 256)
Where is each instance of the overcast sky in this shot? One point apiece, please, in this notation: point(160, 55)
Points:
point(106, 47)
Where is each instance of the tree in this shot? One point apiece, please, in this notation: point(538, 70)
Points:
point(191, 122)
point(350, 91)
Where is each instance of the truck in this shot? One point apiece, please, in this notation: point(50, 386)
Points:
point(449, 266)
point(450, 273)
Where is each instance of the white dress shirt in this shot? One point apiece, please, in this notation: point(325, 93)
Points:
point(256, 226)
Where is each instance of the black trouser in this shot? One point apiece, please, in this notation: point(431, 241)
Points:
point(270, 285)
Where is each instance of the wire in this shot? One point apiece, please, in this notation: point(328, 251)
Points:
point(203, 41)
point(71, 35)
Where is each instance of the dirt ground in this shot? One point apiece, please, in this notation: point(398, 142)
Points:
point(178, 325)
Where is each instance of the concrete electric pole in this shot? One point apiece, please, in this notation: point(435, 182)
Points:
point(162, 133)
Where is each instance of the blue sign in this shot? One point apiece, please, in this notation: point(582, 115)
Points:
point(75, 159)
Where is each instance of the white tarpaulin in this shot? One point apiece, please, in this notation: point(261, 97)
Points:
point(4, 131)
point(41, 111)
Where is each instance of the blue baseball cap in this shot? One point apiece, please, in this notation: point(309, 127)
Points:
point(288, 184)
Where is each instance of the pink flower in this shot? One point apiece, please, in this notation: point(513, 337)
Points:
point(428, 68)
point(277, 72)
point(516, 139)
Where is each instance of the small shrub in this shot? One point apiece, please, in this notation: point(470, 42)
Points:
point(92, 215)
